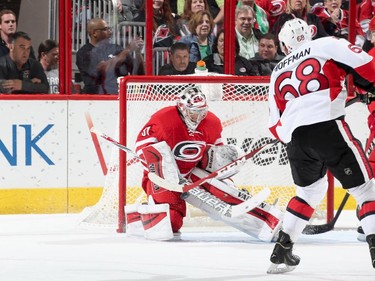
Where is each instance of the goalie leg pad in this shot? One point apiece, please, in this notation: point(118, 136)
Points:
point(160, 160)
point(156, 221)
point(263, 222)
point(134, 226)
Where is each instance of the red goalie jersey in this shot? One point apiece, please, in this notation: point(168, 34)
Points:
point(307, 86)
point(187, 146)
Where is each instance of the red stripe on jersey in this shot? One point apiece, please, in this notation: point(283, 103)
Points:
point(133, 217)
point(300, 208)
point(359, 149)
point(367, 209)
point(150, 220)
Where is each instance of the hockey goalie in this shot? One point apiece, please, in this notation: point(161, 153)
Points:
point(183, 143)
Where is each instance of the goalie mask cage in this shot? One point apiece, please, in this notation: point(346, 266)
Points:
point(242, 106)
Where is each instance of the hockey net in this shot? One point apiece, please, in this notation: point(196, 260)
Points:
point(242, 106)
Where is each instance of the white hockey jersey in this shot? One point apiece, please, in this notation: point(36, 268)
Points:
point(307, 86)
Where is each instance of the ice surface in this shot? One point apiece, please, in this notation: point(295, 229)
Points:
point(55, 248)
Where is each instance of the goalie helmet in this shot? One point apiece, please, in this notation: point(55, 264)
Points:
point(293, 34)
point(193, 107)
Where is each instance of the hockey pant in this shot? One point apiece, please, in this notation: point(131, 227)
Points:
point(263, 222)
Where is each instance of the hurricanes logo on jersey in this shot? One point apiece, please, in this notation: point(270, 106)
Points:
point(189, 151)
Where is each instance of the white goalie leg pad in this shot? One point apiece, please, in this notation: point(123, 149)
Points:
point(156, 221)
point(160, 160)
point(134, 226)
point(263, 222)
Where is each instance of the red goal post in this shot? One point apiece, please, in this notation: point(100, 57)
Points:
point(239, 101)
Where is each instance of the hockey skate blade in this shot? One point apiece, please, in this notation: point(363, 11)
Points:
point(251, 203)
point(280, 268)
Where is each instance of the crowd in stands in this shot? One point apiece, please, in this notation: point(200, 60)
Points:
point(191, 31)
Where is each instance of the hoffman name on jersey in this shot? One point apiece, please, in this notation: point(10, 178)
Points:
point(290, 59)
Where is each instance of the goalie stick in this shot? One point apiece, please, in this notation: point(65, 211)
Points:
point(184, 187)
point(116, 143)
point(233, 211)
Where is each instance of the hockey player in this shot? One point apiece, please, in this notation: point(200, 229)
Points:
point(184, 141)
point(307, 108)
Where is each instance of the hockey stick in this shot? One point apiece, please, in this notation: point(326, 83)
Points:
point(116, 143)
point(226, 209)
point(184, 187)
point(322, 228)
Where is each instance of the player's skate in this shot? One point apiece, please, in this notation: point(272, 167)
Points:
point(371, 242)
point(282, 258)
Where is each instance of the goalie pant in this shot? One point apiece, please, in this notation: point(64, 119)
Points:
point(263, 222)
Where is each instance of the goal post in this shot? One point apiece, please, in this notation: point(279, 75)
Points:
point(241, 104)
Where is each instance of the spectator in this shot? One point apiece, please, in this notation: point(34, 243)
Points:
point(166, 31)
point(8, 26)
point(261, 16)
point(267, 57)
point(180, 63)
point(191, 7)
point(18, 72)
point(215, 61)
point(201, 38)
point(101, 62)
point(247, 35)
point(48, 55)
point(371, 36)
point(336, 21)
point(300, 9)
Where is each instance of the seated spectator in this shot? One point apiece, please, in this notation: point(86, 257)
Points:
point(215, 61)
point(18, 72)
point(8, 26)
point(191, 7)
point(261, 16)
point(101, 62)
point(165, 29)
point(201, 38)
point(247, 35)
point(336, 21)
point(48, 55)
point(180, 64)
point(299, 9)
point(267, 57)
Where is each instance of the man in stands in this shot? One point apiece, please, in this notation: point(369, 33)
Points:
point(307, 109)
point(267, 57)
point(101, 62)
point(18, 72)
point(183, 142)
point(8, 26)
point(180, 63)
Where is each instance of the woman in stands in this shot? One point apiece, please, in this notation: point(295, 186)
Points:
point(190, 8)
point(201, 38)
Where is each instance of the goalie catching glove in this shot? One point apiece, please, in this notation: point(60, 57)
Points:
point(216, 157)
